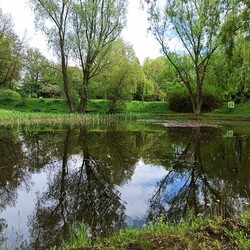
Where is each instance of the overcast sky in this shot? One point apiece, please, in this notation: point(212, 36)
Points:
point(135, 32)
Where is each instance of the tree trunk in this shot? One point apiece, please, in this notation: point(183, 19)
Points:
point(83, 96)
point(196, 103)
point(66, 90)
point(198, 99)
point(66, 81)
point(197, 110)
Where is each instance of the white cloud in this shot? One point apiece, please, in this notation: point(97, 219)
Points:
point(23, 19)
point(17, 216)
point(136, 33)
point(137, 192)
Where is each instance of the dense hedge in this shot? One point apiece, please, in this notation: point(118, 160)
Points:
point(8, 95)
point(180, 102)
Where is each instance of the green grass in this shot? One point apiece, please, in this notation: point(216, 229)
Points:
point(36, 105)
point(243, 108)
point(241, 112)
point(47, 105)
point(46, 110)
point(56, 110)
point(155, 108)
point(194, 233)
point(98, 106)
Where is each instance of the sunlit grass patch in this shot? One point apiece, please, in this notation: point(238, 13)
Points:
point(56, 110)
point(147, 107)
point(242, 109)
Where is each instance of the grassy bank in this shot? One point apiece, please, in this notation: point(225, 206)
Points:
point(33, 110)
point(56, 110)
point(195, 233)
point(59, 106)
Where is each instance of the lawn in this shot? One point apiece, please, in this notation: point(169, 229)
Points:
point(34, 108)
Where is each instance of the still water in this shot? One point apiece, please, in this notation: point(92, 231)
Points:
point(110, 176)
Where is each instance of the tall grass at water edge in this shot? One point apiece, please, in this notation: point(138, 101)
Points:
point(16, 117)
point(192, 233)
point(56, 111)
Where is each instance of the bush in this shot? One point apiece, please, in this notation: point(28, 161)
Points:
point(33, 95)
point(237, 96)
point(211, 102)
point(8, 95)
point(180, 102)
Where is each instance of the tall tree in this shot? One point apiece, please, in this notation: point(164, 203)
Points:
point(96, 24)
point(196, 26)
point(120, 78)
point(11, 52)
point(52, 18)
point(161, 74)
point(238, 23)
point(40, 76)
point(236, 44)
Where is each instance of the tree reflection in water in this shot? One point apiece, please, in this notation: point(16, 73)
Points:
point(202, 178)
point(84, 188)
point(3, 226)
point(12, 166)
point(85, 167)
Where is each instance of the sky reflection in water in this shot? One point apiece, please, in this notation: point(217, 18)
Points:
point(137, 191)
point(110, 177)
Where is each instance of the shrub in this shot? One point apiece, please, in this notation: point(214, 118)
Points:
point(22, 103)
point(237, 96)
point(180, 102)
point(8, 95)
point(33, 95)
point(116, 107)
point(211, 102)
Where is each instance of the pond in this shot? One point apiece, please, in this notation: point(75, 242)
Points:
point(116, 175)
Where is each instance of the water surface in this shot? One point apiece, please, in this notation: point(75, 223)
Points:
point(116, 175)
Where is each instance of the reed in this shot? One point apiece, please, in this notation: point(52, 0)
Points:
point(55, 111)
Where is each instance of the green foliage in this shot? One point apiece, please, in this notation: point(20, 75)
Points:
point(146, 245)
point(162, 77)
point(197, 37)
point(119, 79)
point(180, 101)
point(46, 105)
point(211, 102)
point(98, 106)
point(34, 108)
point(49, 105)
point(147, 107)
point(240, 110)
point(158, 75)
point(78, 237)
point(41, 78)
point(95, 26)
point(193, 233)
point(11, 52)
point(231, 74)
point(8, 95)
point(240, 238)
